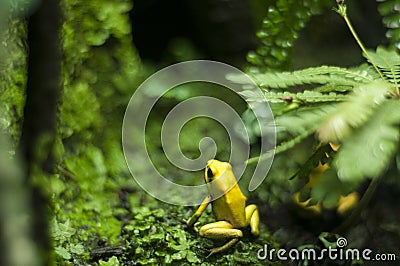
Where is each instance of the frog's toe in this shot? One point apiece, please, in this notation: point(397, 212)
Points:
point(224, 247)
point(196, 226)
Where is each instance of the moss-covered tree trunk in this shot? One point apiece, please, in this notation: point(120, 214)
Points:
point(42, 92)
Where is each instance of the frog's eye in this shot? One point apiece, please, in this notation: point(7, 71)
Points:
point(210, 175)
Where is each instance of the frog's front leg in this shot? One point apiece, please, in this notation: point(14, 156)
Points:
point(199, 212)
point(253, 219)
point(221, 230)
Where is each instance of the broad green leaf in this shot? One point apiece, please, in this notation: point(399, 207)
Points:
point(354, 112)
point(62, 252)
point(368, 151)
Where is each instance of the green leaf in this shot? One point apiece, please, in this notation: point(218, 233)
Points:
point(328, 239)
point(284, 97)
point(62, 231)
point(313, 75)
point(284, 146)
point(305, 97)
point(113, 261)
point(76, 249)
point(388, 61)
point(303, 120)
point(294, 127)
point(354, 112)
point(389, 10)
point(368, 151)
point(191, 257)
point(279, 30)
point(62, 252)
point(384, 58)
point(179, 255)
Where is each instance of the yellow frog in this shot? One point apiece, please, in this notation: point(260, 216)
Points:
point(230, 209)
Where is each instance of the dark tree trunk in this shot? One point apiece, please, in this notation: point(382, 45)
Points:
point(42, 92)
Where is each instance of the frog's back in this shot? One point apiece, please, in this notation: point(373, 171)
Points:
point(231, 208)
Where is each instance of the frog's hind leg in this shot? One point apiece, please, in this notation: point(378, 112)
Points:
point(253, 218)
point(221, 230)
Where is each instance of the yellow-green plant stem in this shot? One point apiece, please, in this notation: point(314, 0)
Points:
point(342, 10)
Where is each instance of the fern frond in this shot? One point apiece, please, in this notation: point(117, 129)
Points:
point(305, 97)
point(300, 124)
point(389, 9)
point(284, 97)
point(388, 61)
point(302, 120)
point(355, 111)
point(318, 75)
point(367, 152)
point(366, 71)
point(314, 75)
point(284, 146)
point(320, 155)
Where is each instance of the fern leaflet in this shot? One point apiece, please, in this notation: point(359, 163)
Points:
point(358, 108)
point(284, 97)
point(367, 152)
point(284, 146)
point(388, 61)
point(313, 75)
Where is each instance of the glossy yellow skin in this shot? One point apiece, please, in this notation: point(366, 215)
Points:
point(230, 209)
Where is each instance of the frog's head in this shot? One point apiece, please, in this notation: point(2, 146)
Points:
point(215, 169)
point(219, 177)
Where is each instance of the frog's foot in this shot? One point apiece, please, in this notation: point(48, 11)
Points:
point(195, 227)
point(224, 247)
point(253, 219)
point(192, 227)
point(221, 230)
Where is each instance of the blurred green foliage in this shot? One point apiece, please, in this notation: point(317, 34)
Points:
point(279, 30)
point(12, 77)
point(389, 9)
point(101, 71)
point(101, 217)
point(348, 107)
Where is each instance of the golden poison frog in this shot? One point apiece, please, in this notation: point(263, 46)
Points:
point(230, 209)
